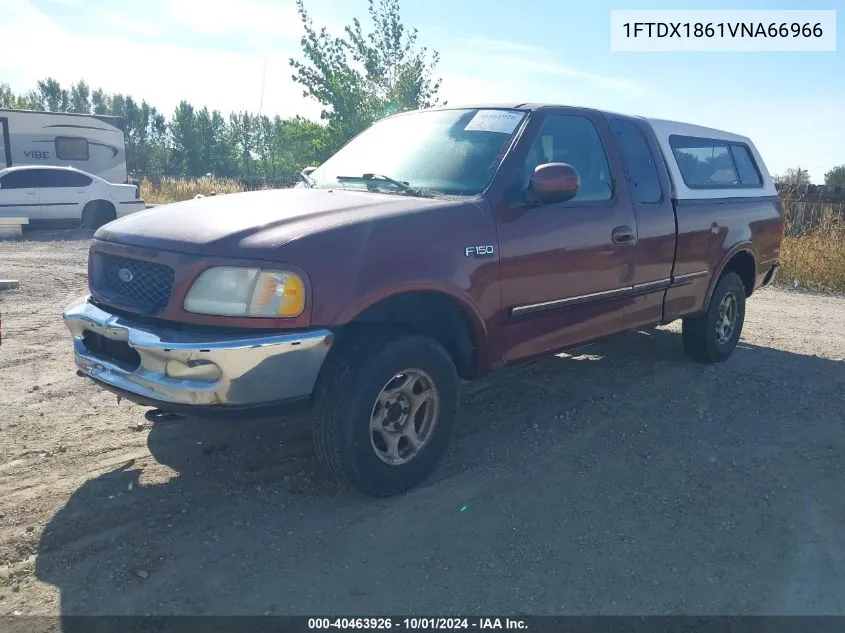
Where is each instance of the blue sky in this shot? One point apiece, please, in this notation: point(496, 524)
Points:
point(213, 53)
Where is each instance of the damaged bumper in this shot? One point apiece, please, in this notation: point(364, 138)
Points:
point(187, 371)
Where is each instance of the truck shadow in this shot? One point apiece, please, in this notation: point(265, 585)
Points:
point(247, 524)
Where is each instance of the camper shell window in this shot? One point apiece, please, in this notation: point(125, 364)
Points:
point(71, 148)
point(708, 163)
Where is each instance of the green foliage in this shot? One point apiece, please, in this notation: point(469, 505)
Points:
point(835, 177)
point(362, 77)
point(793, 176)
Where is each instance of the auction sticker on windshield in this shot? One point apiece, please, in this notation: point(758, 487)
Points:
point(501, 121)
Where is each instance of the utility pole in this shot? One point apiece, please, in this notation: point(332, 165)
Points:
point(263, 79)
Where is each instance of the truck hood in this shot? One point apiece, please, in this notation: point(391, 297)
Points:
point(254, 223)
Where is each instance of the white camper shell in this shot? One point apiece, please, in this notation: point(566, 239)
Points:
point(723, 165)
point(91, 142)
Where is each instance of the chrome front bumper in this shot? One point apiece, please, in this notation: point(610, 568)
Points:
point(189, 369)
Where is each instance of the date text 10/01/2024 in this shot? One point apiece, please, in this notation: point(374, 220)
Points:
point(417, 624)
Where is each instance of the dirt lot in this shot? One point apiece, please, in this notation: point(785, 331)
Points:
point(624, 480)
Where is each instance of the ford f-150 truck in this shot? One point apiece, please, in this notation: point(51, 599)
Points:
point(437, 245)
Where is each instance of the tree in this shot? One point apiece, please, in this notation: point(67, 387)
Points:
point(360, 78)
point(9, 99)
point(80, 100)
point(183, 130)
point(835, 177)
point(51, 95)
point(794, 177)
point(243, 134)
point(100, 102)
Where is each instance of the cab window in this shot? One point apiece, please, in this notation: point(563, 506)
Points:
point(574, 140)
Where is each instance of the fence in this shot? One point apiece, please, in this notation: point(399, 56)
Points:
point(810, 208)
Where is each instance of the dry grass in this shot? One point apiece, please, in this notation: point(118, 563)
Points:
point(813, 249)
point(815, 260)
point(177, 189)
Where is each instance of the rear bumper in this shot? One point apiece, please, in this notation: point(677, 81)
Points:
point(194, 373)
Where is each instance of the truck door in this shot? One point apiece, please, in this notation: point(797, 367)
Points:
point(648, 182)
point(566, 269)
point(5, 144)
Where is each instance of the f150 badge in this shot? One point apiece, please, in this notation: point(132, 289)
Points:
point(479, 251)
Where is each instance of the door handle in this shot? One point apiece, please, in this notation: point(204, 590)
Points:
point(622, 235)
point(30, 193)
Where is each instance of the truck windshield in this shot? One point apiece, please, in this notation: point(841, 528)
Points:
point(451, 152)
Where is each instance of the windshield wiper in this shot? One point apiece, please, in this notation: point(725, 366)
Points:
point(404, 187)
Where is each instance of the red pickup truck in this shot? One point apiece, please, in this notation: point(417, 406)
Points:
point(438, 245)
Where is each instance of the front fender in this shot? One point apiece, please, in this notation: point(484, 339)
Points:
point(461, 298)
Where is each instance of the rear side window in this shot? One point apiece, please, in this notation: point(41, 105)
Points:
point(23, 179)
point(707, 163)
point(746, 169)
point(639, 162)
point(71, 148)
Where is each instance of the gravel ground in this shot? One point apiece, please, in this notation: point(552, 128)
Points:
point(623, 480)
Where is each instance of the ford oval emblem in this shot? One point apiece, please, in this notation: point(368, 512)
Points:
point(125, 275)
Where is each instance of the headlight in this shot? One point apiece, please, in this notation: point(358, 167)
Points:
point(252, 292)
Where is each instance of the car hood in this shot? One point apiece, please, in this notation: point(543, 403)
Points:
point(254, 223)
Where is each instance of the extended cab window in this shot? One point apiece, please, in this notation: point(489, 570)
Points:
point(639, 162)
point(573, 140)
point(71, 148)
point(714, 163)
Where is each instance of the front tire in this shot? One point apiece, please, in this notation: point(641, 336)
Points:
point(711, 337)
point(384, 410)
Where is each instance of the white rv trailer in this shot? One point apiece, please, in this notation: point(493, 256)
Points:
point(91, 142)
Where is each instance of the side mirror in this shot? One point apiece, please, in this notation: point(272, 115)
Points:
point(305, 176)
point(553, 183)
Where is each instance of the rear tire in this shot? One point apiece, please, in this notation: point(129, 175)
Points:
point(712, 336)
point(97, 213)
point(384, 410)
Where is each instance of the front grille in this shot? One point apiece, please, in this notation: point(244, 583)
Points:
point(134, 282)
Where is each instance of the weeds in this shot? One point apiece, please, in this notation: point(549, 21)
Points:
point(813, 249)
point(176, 189)
point(815, 260)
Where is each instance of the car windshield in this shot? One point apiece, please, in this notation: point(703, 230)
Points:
point(450, 152)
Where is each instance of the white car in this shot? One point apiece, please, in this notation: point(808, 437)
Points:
point(64, 193)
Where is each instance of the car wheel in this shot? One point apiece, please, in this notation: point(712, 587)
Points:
point(96, 214)
point(711, 337)
point(384, 410)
